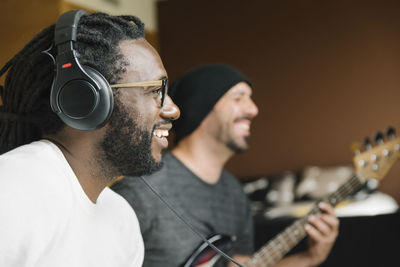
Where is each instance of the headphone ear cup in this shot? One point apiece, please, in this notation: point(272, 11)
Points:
point(105, 106)
point(86, 103)
point(78, 98)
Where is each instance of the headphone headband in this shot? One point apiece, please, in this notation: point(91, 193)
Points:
point(67, 25)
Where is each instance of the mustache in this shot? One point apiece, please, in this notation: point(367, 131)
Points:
point(248, 118)
point(160, 123)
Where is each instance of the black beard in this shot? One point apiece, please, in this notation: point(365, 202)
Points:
point(128, 147)
point(236, 147)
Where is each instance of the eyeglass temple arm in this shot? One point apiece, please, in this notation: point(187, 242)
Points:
point(137, 84)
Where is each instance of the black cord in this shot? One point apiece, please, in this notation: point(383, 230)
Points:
point(169, 206)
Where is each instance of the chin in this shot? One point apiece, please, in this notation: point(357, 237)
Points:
point(238, 147)
point(156, 156)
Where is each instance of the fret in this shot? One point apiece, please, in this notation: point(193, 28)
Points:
point(352, 185)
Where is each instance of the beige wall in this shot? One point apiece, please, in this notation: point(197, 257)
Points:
point(326, 73)
point(145, 9)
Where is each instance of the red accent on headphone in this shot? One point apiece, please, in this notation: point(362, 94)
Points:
point(66, 65)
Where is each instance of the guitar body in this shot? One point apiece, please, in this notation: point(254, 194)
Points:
point(205, 256)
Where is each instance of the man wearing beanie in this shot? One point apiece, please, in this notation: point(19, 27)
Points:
point(216, 113)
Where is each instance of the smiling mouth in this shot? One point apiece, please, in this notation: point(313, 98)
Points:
point(243, 123)
point(160, 136)
point(244, 126)
point(160, 133)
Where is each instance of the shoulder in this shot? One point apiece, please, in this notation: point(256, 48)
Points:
point(25, 158)
point(229, 180)
point(235, 188)
point(34, 180)
point(120, 220)
point(34, 159)
point(35, 196)
point(133, 188)
point(136, 192)
point(33, 172)
point(116, 206)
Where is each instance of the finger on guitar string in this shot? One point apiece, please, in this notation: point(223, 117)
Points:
point(326, 208)
point(319, 225)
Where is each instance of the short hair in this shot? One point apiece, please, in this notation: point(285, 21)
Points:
point(26, 115)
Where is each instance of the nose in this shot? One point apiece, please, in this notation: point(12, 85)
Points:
point(170, 111)
point(251, 108)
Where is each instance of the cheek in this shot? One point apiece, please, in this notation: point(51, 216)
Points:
point(149, 118)
point(141, 111)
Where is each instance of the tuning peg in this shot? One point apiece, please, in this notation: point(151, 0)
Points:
point(378, 138)
point(391, 132)
point(367, 143)
point(355, 147)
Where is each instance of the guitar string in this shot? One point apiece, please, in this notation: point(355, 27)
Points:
point(345, 189)
point(285, 235)
point(352, 185)
point(186, 222)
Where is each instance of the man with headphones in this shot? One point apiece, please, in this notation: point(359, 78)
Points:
point(84, 102)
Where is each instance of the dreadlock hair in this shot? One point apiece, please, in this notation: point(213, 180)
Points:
point(26, 114)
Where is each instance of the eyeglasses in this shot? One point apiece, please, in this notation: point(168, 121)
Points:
point(161, 91)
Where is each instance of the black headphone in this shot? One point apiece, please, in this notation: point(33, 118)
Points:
point(79, 95)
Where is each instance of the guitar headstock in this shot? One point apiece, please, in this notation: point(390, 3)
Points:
point(375, 161)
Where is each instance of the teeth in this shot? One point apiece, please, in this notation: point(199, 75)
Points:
point(160, 133)
point(244, 126)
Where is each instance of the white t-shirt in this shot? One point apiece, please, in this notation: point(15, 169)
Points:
point(47, 220)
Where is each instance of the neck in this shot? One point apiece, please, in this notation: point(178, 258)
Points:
point(80, 155)
point(204, 157)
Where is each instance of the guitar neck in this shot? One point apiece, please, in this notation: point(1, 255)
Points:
point(276, 248)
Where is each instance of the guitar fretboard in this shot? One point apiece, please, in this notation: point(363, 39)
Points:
point(275, 249)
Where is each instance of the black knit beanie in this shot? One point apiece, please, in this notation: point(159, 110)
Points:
point(197, 91)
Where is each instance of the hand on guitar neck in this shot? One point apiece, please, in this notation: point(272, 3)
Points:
point(322, 237)
point(322, 230)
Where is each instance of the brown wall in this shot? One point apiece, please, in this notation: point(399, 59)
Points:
point(326, 73)
point(21, 20)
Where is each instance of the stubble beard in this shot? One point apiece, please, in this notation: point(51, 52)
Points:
point(126, 146)
point(236, 147)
